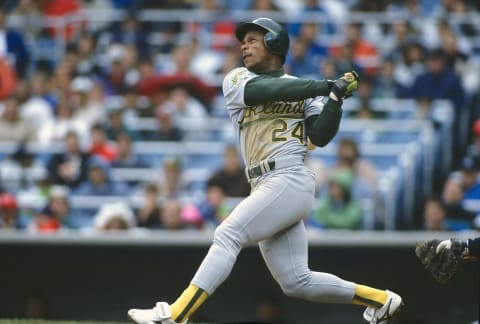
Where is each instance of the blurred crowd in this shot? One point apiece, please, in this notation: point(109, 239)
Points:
point(92, 79)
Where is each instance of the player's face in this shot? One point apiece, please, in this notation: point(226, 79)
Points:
point(254, 53)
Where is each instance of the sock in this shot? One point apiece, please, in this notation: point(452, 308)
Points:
point(370, 297)
point(188, 302)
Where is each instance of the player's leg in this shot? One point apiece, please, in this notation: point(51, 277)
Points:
point(273, 205)
point(286, 256)
point(266, 211)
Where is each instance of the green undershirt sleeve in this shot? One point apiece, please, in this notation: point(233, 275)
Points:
point(264, 89)
point(323, 127)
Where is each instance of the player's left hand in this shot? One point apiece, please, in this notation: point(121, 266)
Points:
point(345, 86)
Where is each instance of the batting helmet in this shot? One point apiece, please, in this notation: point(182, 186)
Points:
point(276, 37)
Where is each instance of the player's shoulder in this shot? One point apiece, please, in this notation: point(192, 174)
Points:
point(236, 76)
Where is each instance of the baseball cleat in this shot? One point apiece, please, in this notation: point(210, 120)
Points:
point(385, 313)
point(160, 314)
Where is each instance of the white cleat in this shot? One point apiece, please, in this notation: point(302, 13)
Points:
point(385, 313)
point(160, 314)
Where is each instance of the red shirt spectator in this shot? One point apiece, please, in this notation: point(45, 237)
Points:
point(99, 145)
point(62, 8)
point(364, 53)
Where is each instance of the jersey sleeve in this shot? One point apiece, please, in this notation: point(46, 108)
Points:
point(313, 106)
point(234, 87)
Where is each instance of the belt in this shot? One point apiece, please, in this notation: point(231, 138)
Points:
point(268, 165)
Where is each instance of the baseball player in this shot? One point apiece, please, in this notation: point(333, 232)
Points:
point(275, 115)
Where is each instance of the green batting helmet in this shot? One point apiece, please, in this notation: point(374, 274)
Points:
point(276, 37)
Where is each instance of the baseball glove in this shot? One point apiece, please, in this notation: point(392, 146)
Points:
point(444, 263)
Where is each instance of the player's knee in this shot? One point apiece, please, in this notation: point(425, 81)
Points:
point(227, 237)
point(295, 286)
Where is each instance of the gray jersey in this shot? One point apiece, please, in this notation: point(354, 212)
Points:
point(279, 127)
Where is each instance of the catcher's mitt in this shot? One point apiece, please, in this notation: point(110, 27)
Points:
point(443, 265)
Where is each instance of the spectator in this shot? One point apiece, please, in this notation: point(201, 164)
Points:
point(33, 108)
point(470, 178)
point(328, 69)
point(26, 19)
point(344, 60)
point(434, 215)
point(349, 157)
point(316, 51)
point(14, 48)
point(62, 8)
point(182, 55)
point(231, 59)
point(220, 31)
point(133, 108)
point(439, 82)
point(171, 215)
point(86, 58)
point(184, 105)
point(264, 5)
point(21, 169)
point(100, 146)
point(473, 150)
point(14, 128)
point(315, 6)
point(338, 209)
point(363, 53)
point(56, 129)
point(115, 126)
point(459, 188)
point(299, 62)
point(214, 208)
point(386, 85)
point(54, 215)
point(231, 175)
point(410, 65)
point(117, 76)
point(191, 216)
point(87, 111)
point(9, 213)
point(70, 166)
point(149, 213)
point(114, 217)
point(365, 95)
point(455, 58)
point(400, 36)
point(125, 156)
point(167, 130)
point(58, 213)
point(99, 183)
point(130, 31)
point(172, 184)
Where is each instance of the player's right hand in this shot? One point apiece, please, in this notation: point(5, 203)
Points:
point(345, 86)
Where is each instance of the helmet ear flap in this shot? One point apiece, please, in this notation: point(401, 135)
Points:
point(272, 42)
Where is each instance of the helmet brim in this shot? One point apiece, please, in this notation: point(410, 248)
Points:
point(245, 27)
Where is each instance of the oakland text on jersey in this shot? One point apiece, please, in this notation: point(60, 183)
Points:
point(273, 109)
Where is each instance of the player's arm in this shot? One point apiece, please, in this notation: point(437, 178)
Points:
point(323, 127)
point(473, 246)
point(470, 248)
point(264, 89)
